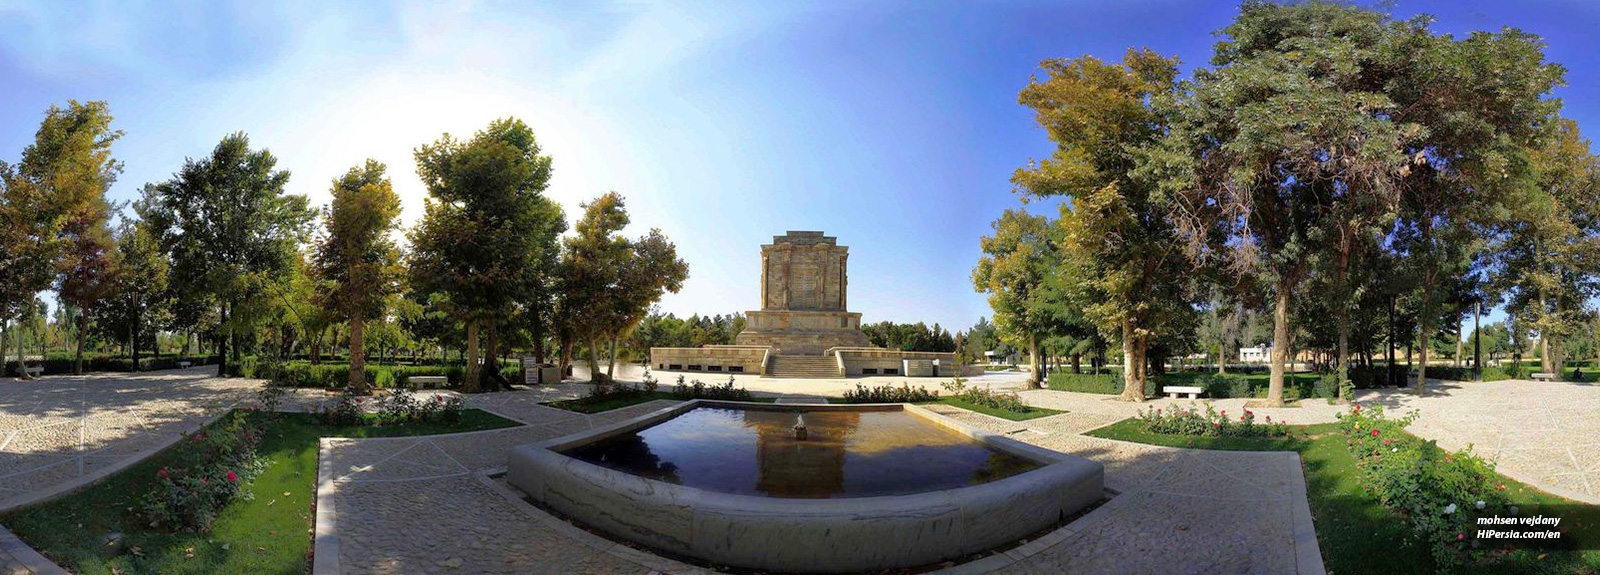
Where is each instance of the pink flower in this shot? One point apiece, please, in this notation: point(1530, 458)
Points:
point(1460, 536)
point(232, 477)
point(202, 481)
point(1374, 433)
point(1387, 441)
point(1357, 408)
point(1216, 426)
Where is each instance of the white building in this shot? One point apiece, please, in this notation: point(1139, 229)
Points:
point(1255, 354)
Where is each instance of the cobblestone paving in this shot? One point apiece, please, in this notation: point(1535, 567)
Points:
point(415, 505)
point(1543, 433)
point(58, 431)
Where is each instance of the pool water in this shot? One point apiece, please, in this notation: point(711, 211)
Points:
point(754, 451)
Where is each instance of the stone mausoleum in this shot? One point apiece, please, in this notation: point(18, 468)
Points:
point(803, 328)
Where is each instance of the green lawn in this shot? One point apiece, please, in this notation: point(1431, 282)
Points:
point(269, 534)
point(1358, 534)
point(608, 403)
point(1031, 413)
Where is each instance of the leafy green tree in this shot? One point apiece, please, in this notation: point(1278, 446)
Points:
point(139, 303)
point(62, 176)
point(357, 258)
point(1550, 259)
point(650, 270)
point(1020, 270)
point(489, 235)
point(1116, 232)
point(228, 227)
point(89, 267)
point(592, 263)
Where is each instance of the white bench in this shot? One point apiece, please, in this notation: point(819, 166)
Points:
point(1543, 376)
point(34, 370)
point(1173, 391)
point(428, 381)
point(184, 364)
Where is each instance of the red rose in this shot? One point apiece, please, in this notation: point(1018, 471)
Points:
point(162, 473)
point(1374, 433)
point(1357, 408)
point(232, 477)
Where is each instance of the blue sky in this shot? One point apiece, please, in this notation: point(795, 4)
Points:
point(891, 125)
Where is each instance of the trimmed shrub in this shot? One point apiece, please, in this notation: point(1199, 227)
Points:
point(889, 394)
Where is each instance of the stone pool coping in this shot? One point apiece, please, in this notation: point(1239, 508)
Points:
point(846, 534)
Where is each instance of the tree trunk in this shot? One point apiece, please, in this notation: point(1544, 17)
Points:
point(133, 339)
point(1132, 365)
point(4, 331)
point(83, 331)
point(474, 373)
point(1280, 344)
point(1389, 366)
point(22, 357)
point(611, 363)
point(222, 345)
point(594, 362)
point(358, 355)
point(1424, 329)
point(1343, 365)
point(1077, 362)
point(1459, 322)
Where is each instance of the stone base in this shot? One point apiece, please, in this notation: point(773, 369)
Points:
point(802, 332)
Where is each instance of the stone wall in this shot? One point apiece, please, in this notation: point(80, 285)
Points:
point(859, 360)
point(804, 271)
point(711, 358)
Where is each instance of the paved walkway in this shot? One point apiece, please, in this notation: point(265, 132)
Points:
point(1543, 433)
point(425, 505)
point(61, 432)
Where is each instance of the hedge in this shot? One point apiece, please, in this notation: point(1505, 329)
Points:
point(57, 364)
point(337, 375)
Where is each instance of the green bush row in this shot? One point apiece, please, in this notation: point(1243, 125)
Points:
point(337, 375)
point(55, 364)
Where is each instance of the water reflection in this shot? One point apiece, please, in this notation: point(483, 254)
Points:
point(845, 454)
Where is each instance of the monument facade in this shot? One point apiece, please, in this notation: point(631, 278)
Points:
point(803, 287)
point(803, 329)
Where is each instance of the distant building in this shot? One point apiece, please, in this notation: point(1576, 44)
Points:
point(1255, 354)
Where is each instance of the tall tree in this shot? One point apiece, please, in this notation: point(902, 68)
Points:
point(1021, 271)
point(1481, 105)
point(47, 200)
point(488, 236)
point(89, 267)
point(1550, 256)
point(227, 226)
point(651, 270)
point(141, 287)
point(592, 265)
point(357, 258)
point(1101, 117)
point(1292, 147)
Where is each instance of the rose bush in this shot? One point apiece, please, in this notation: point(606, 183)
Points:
point(1440, 493)
point(216, 468)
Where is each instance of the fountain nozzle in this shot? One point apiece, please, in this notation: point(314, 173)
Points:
point(800, 426)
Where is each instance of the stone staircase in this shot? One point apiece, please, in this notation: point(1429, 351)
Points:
point(803, 367)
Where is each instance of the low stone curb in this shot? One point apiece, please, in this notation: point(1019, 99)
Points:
point(20, 552)
point(325, 542)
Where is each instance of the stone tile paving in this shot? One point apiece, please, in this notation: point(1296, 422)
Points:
point(1543, 433)
point(62, 431)
point(416, 505)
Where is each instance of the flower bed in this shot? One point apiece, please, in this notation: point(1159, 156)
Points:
point(1211, 423)
point(216, 466)
point(1441, 494)
point(889, 394)
point(986, 397)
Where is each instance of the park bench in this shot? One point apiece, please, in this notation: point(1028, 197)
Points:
point(428, 381)
point(34, 370)
point(1543, 377)
point(1173, 391)
point(184, 364)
